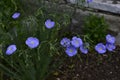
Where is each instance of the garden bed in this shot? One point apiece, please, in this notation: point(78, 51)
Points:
point(37, 48)
point(89, 67)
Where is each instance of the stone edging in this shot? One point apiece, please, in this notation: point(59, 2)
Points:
point(101, 5)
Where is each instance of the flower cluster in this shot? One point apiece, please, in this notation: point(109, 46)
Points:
point(71, 45)
point(110, 45)
point(31, 42)
point(74, 44)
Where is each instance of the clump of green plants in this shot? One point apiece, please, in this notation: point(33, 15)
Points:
point(93, 38)
point(28, 42)
point(95, 29)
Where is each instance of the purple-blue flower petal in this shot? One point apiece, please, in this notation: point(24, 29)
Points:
point(110, 39)
point(88, 1)
point(16, 15)
point(65, 42)
point(100, 48)
point(110, 47)
point(32, 42)
point(11, 49)
point(71, 51)
point(49, 24)
point(76, 42)
point(84, 49)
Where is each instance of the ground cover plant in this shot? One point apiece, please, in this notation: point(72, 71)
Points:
point(33, 43)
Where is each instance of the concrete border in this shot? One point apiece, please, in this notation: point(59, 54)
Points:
point(101, 5)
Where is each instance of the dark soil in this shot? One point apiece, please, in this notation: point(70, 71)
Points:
point(92, 66)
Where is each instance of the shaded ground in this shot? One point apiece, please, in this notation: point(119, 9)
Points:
point(90, 67)
point(87, 67)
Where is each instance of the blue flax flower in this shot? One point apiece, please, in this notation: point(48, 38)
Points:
point(84, 48)
point(65, 42)
point(16, 15)
point(32, 42)
point(11, 49)
point(76, 42)
point(100, 48)
point(71, 51)
point(110, 47)
point(110, 39)
point(49, 24)
point(88, 1)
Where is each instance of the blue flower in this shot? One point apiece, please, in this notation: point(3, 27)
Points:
point(110, 47)
point(49, 24)
point(84, 48)
point(32, 42)
point(16, 15)
point(110, 39)
point(11, 49)
point(65, 42)
point(100, 48)
point(71, 51)
point(76, 42)
point(88, 1)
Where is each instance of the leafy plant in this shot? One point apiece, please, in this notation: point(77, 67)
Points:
point(28, 62)
point(30, 37)
point(95, 29)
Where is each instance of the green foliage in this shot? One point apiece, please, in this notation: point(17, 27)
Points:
point(95, 29)
point(25, 63)
point(35, 64)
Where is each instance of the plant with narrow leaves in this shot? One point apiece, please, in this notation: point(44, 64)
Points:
point(95, 28)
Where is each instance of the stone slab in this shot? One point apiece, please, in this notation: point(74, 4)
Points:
point(105, 5)
point(113, 22)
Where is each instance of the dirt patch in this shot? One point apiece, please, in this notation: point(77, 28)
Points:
point(90, 67)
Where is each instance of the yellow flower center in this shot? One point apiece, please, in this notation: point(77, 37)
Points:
point(100, 48)
point(49, 24)
point(10, 48)
point(76, 42)
point(32, 42)
point(71, 50)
